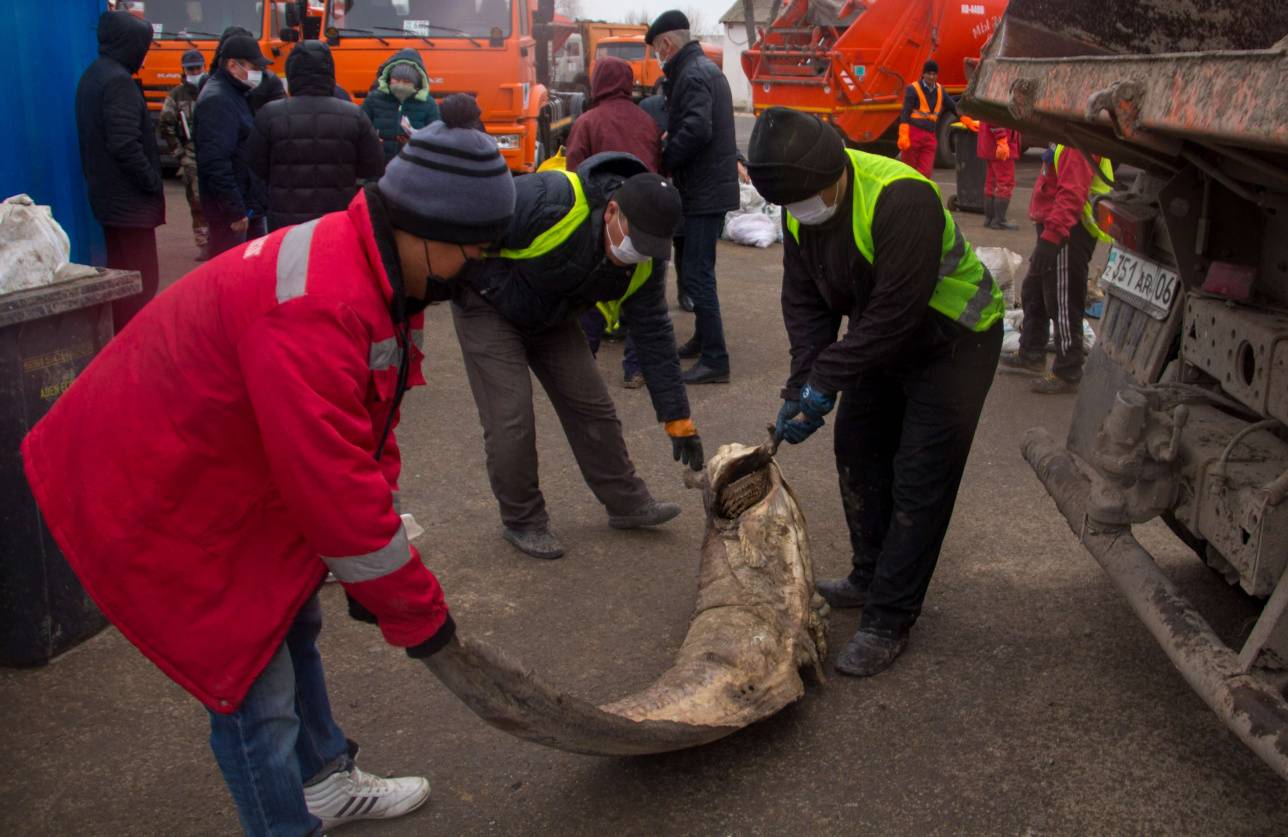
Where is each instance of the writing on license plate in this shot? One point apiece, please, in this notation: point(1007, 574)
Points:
point(1146, 285)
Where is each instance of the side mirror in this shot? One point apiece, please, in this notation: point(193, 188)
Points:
point(289, 35)
point(545, 12)
point(292, 13)
point(332, 36)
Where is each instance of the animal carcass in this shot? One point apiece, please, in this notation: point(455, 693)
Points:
point(757, 622)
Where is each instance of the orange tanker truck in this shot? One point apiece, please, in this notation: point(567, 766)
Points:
point(643, 60)
point(849, 61)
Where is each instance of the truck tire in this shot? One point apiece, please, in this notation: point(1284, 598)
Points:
point(944, 157)
point(544, 138)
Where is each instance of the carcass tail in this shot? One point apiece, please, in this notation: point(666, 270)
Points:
point(515, 700)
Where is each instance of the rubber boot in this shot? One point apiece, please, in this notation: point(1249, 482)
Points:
point(988, 211)
point(1000, 222)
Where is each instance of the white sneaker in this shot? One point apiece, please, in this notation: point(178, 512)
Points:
point(353, 795)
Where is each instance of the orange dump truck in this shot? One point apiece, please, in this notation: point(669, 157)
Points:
point(495, 50)
point(850, 61)
point(577, 43)
point(643, 60)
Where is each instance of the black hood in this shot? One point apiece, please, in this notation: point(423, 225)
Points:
point(124, 38)
point(310, 70)
point(601, 174)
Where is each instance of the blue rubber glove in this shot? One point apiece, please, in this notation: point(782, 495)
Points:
point(790, 409)
point(813, 405)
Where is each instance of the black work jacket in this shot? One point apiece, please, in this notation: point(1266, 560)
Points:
point(701, 152)
point(892, 327)
point(544, 291)
point(118, 146)
point(312, 149)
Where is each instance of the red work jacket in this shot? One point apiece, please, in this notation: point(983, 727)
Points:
point(217, 457)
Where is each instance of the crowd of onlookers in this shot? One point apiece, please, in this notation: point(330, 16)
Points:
point(252, 158)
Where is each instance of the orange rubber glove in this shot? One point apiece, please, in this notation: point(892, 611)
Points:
point(905, 141)
point(971, 123)
point(1002, 150)
point(686, 444)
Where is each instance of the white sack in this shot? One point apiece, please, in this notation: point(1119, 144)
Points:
point(33, 247)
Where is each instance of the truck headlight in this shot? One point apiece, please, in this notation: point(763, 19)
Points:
point(508, 142)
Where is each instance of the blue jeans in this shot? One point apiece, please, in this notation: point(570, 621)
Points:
point(698, 269)
point(282, 737)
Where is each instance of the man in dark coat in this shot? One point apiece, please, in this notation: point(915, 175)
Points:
point(119, 155)
point(701, 156)
point(231, 195)
point(576, 239)
point(312, 149)
point(400, 91)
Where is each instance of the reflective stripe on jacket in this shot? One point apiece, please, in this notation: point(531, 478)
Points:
point(217, 457)
point(966, 292)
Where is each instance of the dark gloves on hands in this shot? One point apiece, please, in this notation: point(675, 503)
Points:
point(686, 444)
point(810, 409)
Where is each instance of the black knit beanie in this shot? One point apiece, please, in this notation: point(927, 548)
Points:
point(449, 182)
point(793, 155)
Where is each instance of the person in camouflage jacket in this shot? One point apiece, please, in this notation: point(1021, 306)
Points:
point(175, 126)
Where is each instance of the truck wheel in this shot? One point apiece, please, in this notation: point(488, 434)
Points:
point(944, 157)
point(543, 137)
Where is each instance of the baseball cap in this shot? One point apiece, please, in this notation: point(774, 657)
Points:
point(193, 58)
point(653, 209)
point(245, 48)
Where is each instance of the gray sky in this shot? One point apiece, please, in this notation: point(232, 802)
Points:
point(614, 10)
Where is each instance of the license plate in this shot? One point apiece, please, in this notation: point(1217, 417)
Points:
point(1144, 284)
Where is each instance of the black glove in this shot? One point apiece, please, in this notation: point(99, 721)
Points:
point(1043, 258)
point(688, 450)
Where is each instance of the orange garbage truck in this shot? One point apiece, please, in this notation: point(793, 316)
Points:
point(645, 66)
point(849, 61)
point(495, 50)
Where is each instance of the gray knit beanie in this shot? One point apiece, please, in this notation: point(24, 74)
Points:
point(449, 182)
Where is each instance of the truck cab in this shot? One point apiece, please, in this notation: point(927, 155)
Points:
point(489, 53)
point(645, 65)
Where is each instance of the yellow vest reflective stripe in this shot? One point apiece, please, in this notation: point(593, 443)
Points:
point(966, 292)
point(925, 112)
point(612, 311)
point(1099, 186)
point(557, 234)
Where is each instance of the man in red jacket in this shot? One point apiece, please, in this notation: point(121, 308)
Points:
point(998, 147)
point(234, 442)
point(1055, 288)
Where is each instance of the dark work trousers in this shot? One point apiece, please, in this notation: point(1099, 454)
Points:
point(133, 248)
point(698, 274)
point(901, 444)
point(223, 237)
point(497, 359)
point(1058, 294)
point(677, 244)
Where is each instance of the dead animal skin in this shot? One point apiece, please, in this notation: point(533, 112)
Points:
point(756, 623)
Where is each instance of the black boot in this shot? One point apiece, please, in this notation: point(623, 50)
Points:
point(988, 211)
point(869, 654)
point(841, 592)
point(1000, 205)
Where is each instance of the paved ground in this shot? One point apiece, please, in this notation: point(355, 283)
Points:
point(1030, 699)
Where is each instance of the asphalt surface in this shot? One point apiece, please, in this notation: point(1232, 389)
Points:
point(1030, 700)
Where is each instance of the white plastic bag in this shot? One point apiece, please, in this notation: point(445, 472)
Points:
point(756, 222)
point(33, 247)
point(755, 230)
point(1004, 264)
point(1014, 318)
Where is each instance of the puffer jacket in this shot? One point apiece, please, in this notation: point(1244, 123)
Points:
point(223, 124)
point(700, 155)
point(311, 149)
point(218, 456)
point(386, 112)
point(118, 146)
point(615, 123)
point(539, 292)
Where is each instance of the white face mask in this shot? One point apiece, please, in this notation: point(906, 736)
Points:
point(401, 90)
point(626, 252)
point(813, 210)
point(254, 77)
point(195, 80)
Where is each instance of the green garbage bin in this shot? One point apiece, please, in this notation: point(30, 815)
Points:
point(47, 337)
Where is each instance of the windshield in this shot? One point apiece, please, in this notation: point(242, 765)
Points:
point(626, 52)
point(423, 18)
point(175, 18)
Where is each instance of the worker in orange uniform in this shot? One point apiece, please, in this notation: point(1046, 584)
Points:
point(923, 102)
point(998, 147)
